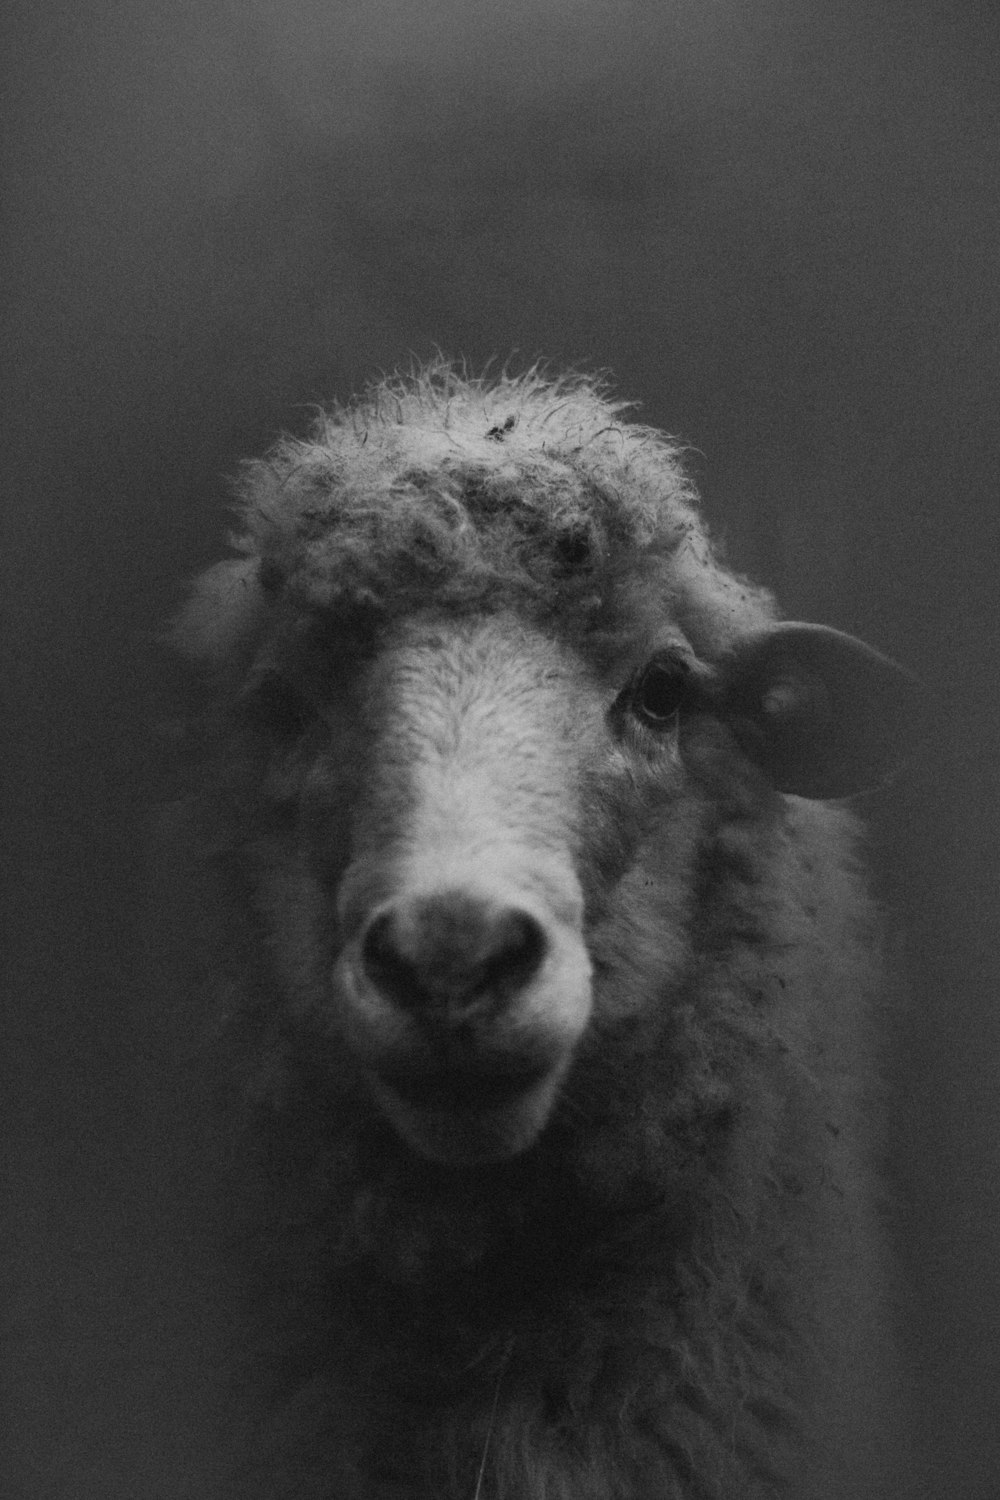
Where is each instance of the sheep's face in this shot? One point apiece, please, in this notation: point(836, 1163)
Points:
point(482, 848)
point(458, 848)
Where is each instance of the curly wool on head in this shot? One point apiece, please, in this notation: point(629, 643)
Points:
point(525, 489)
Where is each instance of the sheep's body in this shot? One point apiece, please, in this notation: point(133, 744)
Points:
point(653, 1269)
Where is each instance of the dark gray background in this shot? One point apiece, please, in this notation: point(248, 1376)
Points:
point(777, 224)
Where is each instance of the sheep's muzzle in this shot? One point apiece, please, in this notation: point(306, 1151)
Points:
point(464, 1008)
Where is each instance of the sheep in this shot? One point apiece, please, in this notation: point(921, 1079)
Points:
point(554, 982)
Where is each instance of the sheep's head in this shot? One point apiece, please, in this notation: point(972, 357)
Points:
point(489, 715)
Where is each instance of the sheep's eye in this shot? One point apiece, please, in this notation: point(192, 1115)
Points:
point(659, 691)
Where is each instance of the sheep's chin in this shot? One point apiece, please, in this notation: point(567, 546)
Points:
point(469, 1136)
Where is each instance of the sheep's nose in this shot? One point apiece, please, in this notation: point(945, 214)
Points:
point(449, 954)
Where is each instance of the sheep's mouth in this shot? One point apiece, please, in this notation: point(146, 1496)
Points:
point(463, 1116)
point(466, 1088)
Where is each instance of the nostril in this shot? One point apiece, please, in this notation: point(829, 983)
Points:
point(386, 965)
point(517, 945)
point(451, 951)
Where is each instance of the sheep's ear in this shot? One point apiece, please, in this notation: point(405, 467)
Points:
point(820, 712)
point(223, 613)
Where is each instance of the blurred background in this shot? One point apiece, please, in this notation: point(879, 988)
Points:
point(777, 224)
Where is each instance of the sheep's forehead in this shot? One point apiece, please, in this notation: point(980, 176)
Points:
point(493, 669)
